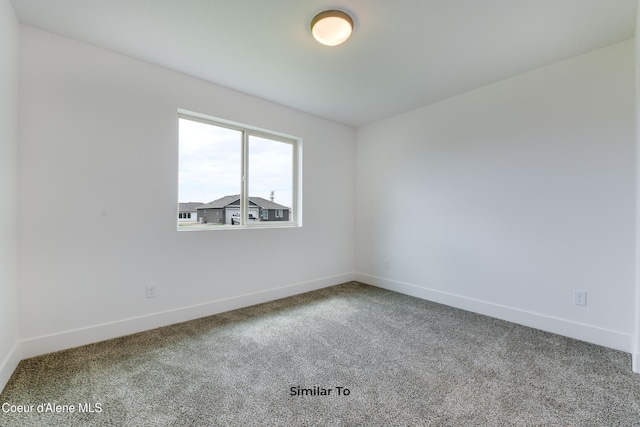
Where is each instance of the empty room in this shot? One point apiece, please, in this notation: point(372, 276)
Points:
point(360, 212)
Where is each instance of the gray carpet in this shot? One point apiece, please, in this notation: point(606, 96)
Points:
point(404, 361)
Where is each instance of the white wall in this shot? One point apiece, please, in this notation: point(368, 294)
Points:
point(99, 138)
point(636, 343)
point(513, 195)
point(9, 38)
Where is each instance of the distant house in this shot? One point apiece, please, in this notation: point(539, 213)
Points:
point(271, 211)
point(221, 211)
point(187, 211)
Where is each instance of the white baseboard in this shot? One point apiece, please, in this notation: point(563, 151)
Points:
point(9, 364)
point(600, 336)
point(68, 339)
point(635, 362)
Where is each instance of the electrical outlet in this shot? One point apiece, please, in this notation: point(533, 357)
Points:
point(386, 264)
point(580, 297)
point(151, 290)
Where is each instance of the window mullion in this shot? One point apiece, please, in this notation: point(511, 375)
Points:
point(244, 196)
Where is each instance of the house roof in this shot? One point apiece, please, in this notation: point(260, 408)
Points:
point(189, 207)
point(221, 203)
point(228, 200)
point(266, 204)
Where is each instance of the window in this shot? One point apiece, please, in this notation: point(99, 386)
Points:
point(237, 174)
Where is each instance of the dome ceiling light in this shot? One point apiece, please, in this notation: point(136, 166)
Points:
point(331, 27)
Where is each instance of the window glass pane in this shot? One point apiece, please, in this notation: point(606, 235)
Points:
point(209, 162)
point(271, 174)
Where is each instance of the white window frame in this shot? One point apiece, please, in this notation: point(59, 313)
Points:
point(295, 216)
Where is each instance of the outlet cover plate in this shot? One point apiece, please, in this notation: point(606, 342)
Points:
point(580, 298)
point(151, 290)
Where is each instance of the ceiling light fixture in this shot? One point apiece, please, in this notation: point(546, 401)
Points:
point(331, 27)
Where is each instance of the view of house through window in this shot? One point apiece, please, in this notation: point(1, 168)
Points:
point(234, 175)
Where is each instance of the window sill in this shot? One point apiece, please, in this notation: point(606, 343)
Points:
point(220, 227)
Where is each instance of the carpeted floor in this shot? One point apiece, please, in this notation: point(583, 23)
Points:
point(347, 355)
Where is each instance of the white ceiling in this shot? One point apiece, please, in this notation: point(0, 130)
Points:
point(402, 55)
